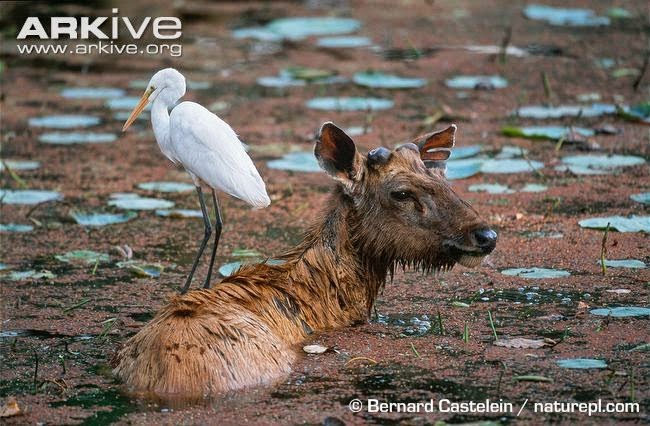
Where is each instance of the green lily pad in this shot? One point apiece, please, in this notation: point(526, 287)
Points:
point(88, 257)
point(246, 253)
point(477, 82)
point(619, 13)
point(343, 42)
point(124, 115)
point(618, 223)
point(19, 164)
point(280, 81)
point(624, 263)
point(64, 121)
point(296, 162)
point(536, 273)
point(639, 112)
point(349, 104)
point(307, 74)
point(228, 269)
point(92, 92)
point(29, 274)
point(461, 152)
point(508, 165)
point(600, 164)
point(125, 102)
point(544, 112)
point(3, 266)
point(179, 213)
point(69, 138)
point(581, 363)
point(143, 270)
point(643, 197)
point(534, 187)
point(166, 186)
point(15, 227)
point(622, 312)
point(510, 151)
point(96, 219)
point(301, 27)
point(545, 132)
point(135, 202)
point(28, 196)
point(298, 28)
point(491, 188)
point(565, 17)
point(379, 80)
point(462, 169)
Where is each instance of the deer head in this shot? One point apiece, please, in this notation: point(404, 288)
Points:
point(404, 211)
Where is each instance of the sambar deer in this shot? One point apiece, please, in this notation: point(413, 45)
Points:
point(389, 208)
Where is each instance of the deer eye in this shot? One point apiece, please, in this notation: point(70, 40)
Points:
point(401, 195)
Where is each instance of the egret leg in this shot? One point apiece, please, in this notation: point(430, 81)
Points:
point(218, 225)
point(206, 237)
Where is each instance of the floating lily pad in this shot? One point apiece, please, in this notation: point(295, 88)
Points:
point(135, 202)
point(296, 162)
point(544, 112)
point(228, 269)
point(29, 274)
point(619, 13)
point(536, 273)
point(509, 151)
point(179, 213)
point(143, 270)
point(126, 102)
point(88, 257)
point(565, 17)
point(246, 253)
point(618, 223)
point(280, 81)
point(349, 104)
point(69, 138)
point(302, 27)
point(343, 42)
point(461, 169)
point(491, 188)
point(101, 219)
point(92, 92)
point(19, 164)
point(64, 121)
point(534, 187)
point(15, 227)
point(639, 112)
point(28, 196)
point(124, 115)
point(599, 164)
point(622, 312)
point(307, 73)
point(477, 82)
point(643, 197)
point(166, 186)
point(582, 363)
point(458, 153)
point(509, 165)
point(298, 28)
point(624, 263)
point(545, 132)
point(380, 80)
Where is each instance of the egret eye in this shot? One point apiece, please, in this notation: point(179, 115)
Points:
point(401, 195)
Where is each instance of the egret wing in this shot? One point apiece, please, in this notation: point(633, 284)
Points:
point(210, 150)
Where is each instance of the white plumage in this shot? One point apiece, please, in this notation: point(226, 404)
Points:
point(206, 146)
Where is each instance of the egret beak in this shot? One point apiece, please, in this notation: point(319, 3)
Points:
point(144, 100)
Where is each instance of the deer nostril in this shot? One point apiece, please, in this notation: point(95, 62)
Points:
point(485, 238)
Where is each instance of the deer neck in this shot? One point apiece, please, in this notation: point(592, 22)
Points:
point(341, 274)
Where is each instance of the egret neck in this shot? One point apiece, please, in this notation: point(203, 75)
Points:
point(160, 124)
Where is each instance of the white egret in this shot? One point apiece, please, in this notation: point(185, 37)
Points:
point(206, 146)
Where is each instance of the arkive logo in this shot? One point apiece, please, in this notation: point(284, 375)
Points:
point(101, 28)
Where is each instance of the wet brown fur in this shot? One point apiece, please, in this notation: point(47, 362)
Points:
point(244, 331)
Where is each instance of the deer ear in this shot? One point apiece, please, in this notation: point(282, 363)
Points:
point(337, 154)
point(435, 148)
